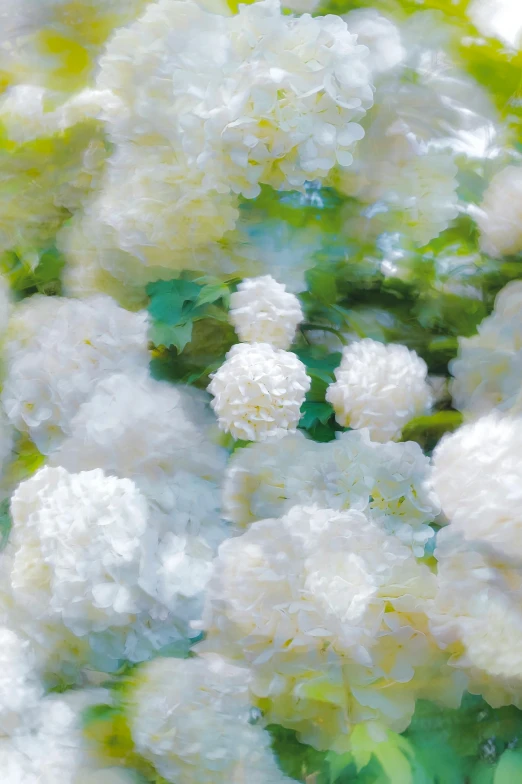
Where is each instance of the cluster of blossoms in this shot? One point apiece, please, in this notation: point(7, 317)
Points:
point(390, 482)
point(330, 613)
point(192, 719)
point(488, 370)
point(379, 387)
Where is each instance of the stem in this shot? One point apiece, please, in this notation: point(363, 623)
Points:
point(325, 328)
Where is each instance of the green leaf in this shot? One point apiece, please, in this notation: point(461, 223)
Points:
point(313, 412)
point(431, 427)
point(509, 768)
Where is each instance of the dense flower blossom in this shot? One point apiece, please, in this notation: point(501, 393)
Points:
point(380, 387)
point(285, 96)
point(479, 486)
point(500, 218)
point(488, 370)
point(389, 481)
point(57, 348)
point(477, 614)
point(258, 392)
point(86, 557)
point(191, 718)
point(329, 612)
point(262, 311)
point(20, 689)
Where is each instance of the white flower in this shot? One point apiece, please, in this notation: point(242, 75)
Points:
point(20, 689)
point(87, 558)
point(258, 392)
point(147, 430)
point(477, 475)
point(380, 35)
point(191, 719)
point(477, 615)
point(51, 749)
point(380, 387)
point(389, 481)
point(256, 97)
point(329, 612)
point(488, 370)
point(500, 217)
point(57, 348)
point(262, 311)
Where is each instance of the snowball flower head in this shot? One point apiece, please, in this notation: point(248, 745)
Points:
point(380, 35)
point(262, 311)
point(191, 719)
point(380, 387)
point(477, 617)
point(389, 481)
point(329, 611)
point(57, 348)
point(500, 220)
point(488, 370)
point(258, 392)
point(20, 689)
point(477, 475)
point(146, 430)
point(79, 542)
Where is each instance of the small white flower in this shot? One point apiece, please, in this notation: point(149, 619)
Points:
point(258, 392)
point(262, 311)
point(380, 387)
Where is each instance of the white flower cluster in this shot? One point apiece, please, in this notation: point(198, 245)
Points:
point(262, 311)
point(50, 747)
point(258, 392)
point(477, 475)
point(20, 689)
point(57, 348)
point(477, 614)
point(258, 97)
point(488, 370)
point(191, 718)
point(390, 482)
point(329, 611)
point(500, 217)
point(380, 35)
point(85, 558)
point(380, 387)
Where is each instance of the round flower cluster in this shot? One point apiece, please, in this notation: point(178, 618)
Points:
point(477, 615)
point(391, 482)
point(57, 348)
point(262, 311)
point(488, 370)
point(191, 718)
point(330, 613)
point(257, 97)
point(500, 219)
point(258, 392)
point(146, 430)
point(380, 387)
point(478, 477)
point(85, 558)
